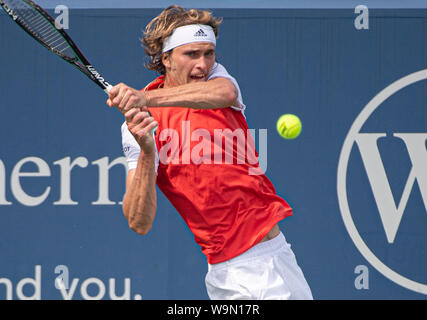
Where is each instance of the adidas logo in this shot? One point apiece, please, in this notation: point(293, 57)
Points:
point(200, 33)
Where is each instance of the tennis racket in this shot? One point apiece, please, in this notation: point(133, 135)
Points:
point(41, 27)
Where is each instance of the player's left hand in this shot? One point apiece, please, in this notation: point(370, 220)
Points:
point(125, 98)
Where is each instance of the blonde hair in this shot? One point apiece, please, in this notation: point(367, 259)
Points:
point(163, 26)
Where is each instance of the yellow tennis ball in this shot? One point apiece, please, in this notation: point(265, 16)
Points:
point(289, 126)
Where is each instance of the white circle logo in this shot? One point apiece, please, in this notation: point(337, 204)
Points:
point(342, 174)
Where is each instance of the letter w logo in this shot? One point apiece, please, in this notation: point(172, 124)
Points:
point(389, 213)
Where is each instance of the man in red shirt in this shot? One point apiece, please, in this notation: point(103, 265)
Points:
point(230, 206)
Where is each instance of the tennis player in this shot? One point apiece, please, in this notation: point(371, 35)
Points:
point(233, 214)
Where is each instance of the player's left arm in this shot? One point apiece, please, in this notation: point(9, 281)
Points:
point(212, 94)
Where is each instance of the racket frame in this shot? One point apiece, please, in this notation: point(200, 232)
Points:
point(84, 65)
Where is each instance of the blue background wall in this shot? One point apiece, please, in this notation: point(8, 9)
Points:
point(313, 63)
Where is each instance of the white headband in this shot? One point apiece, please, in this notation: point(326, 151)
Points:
point(189, 34)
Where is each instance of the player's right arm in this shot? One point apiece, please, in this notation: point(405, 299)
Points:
point(140, 200)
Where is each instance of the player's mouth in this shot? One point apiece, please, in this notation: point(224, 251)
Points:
point(197, 77)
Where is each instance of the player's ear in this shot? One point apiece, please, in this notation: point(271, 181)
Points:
point(166, 59)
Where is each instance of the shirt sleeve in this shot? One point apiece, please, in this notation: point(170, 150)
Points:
point(218, 71)
point(132, 150)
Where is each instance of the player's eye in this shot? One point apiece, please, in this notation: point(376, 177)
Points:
point(192, 54)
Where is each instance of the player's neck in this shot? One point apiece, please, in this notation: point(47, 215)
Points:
point(169, 82)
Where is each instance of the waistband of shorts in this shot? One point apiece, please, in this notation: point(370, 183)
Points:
point(260, 249)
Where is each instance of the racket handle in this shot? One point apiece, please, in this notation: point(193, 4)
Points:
point(108, 88)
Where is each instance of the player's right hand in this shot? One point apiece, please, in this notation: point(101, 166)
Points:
point(125, 98)
point(141, 125)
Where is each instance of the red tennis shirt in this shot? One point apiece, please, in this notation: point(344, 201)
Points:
point(207, 178)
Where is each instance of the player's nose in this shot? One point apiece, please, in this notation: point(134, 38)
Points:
point(202, 63)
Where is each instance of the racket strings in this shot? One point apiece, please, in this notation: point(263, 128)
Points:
point(41, 28)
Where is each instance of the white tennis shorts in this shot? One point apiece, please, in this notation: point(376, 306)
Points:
point(267, 271)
